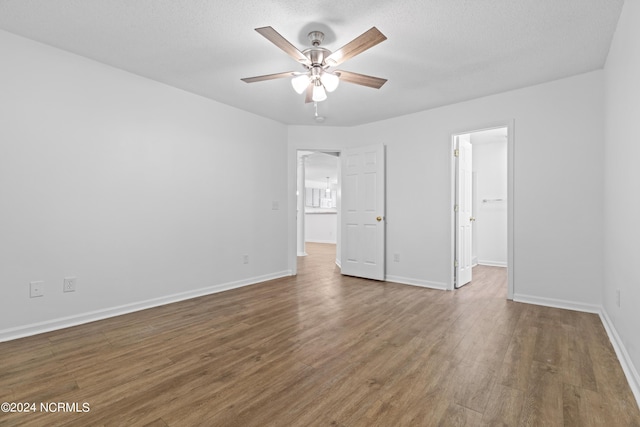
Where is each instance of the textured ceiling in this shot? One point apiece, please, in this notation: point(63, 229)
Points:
point(438, 52)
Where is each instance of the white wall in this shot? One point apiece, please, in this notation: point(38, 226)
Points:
point(321, 227)
point(140, 190)
point(558, 186)
point(622, 184)
point(490, 227)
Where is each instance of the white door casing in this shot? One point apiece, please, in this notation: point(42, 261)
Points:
point(464, 215)
point(363, 212)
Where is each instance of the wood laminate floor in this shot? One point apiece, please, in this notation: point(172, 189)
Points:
point(321, 349)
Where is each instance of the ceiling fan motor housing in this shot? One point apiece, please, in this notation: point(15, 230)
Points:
point(316, 54)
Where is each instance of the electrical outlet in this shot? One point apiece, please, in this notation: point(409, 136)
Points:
point(36, 289)
point(396, 257)
point(618, 297)
point(69, 284)
point(245, 259)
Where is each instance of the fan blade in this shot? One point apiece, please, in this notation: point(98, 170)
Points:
point(361, 79)
point(309, 96)
point(274, 37)
point(269, 77)
point(358, 45)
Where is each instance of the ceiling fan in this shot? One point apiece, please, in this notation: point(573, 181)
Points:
point(317, 79)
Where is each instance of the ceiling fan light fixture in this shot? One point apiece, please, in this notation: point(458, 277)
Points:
point(330, 81)
point(319, 94)
point(300, 83)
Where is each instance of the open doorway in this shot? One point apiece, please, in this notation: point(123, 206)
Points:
point(317, 201)
point(482, 193)
point(359, 212)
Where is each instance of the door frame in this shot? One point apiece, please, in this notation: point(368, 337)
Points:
point(510, 125)
point(293, 206)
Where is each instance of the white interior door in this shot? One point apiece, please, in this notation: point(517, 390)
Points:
point(363, 204)
point(464, 218)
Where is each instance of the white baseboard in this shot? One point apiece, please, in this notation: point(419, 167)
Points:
point(492, 263)
point(557, 303)
point(338, 263)
point(78, 319)
point(331, 242)
point(417, 282)
point(630, 371)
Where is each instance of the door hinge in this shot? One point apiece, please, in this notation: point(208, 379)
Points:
point(455, 208)
point(456, 153)
point(455, 264)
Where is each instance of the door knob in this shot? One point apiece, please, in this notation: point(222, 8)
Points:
point(472, 219)
point(379, 218)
